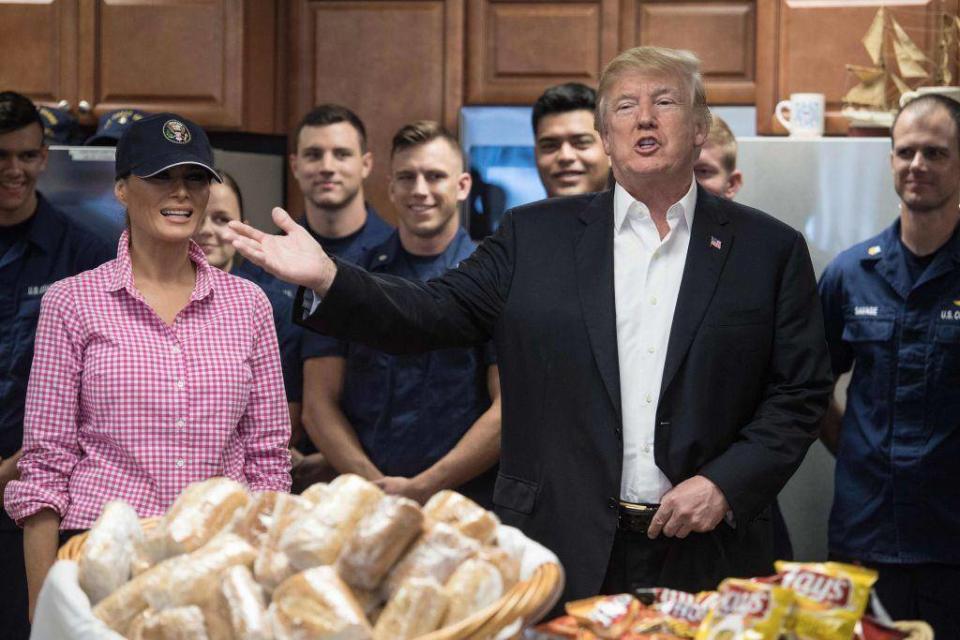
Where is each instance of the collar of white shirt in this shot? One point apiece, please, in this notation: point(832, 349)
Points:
point(622, 201)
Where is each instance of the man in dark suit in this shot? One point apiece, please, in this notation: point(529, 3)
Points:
point(662, 359)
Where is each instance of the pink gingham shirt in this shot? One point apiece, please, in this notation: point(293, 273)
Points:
point(122, 405)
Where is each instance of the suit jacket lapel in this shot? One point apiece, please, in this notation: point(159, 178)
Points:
point(594, 256)
point(710, 244)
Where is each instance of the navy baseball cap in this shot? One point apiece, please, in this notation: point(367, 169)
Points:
point(112, 125)
point(58, 124)
point(162, 141)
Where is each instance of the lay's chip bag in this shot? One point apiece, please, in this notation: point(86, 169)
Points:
point(831, 597)
point(746, 610)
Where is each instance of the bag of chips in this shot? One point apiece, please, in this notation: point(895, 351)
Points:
point(746, 610)
point(831, 597)
point(605, 616)
point(682, 611)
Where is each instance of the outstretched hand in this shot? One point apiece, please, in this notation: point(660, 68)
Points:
point(294, 256)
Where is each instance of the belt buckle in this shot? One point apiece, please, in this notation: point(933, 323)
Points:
point(635, 517)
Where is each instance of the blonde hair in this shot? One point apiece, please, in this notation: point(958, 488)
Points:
point(658, 60)
point(723, 139)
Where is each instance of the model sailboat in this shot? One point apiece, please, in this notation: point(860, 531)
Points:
point(873, 101)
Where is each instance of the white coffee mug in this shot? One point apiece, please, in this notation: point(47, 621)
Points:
point(949, 92)
point(806, 114)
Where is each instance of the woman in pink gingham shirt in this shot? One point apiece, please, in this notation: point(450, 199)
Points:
point(153, 370)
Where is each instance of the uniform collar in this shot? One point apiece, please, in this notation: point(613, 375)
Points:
point(887, 256)
point(122, 275)
point(683, 208)
point(46, 228)
point(387, 252)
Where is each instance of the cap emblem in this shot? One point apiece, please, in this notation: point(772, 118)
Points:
point(177, 132)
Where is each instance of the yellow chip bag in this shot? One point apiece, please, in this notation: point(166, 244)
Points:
point(683, 612)
point(831, 597)
point(746, 610)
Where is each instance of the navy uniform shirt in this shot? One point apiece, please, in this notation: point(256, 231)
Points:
point(897, 494)
point(409, 411)
point(51, 247)
point(289, 335)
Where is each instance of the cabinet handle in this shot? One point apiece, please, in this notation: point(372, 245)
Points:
point(64, 104)
point(84, 107)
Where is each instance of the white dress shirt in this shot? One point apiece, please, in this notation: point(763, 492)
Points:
point(647, 272)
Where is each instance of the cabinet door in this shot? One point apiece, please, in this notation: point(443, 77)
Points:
point(721, 32)
point(184, 56)
point(518, 48)
point(390, 61)
point(38, 47)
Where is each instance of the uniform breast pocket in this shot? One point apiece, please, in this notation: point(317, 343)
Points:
point(947, 345)
point(859, 330)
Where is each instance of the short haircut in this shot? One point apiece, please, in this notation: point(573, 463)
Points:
point(17, 111)
point(930, 101)
point(563, 98)
point(722, 138)
point(421, 132)
point(229, 181)
point(656, 60)
point(326, 114)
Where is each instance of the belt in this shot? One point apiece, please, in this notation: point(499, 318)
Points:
point(636, 517)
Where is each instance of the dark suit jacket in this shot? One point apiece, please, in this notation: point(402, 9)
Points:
point(747, 375)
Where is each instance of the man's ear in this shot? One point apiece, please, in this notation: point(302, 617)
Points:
point(464, 182)
point(734, 182)
point(292, 159)
point(367, 159)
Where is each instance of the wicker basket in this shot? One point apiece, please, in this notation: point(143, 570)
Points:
point(528, 600)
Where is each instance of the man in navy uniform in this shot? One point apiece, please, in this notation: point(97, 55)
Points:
point(38, 246)
point(414, 424)
point(891, 306)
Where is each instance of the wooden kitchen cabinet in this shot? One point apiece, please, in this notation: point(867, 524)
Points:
point(210, 60)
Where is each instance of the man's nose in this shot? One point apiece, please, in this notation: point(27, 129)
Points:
point(420, 185)
point(566, 153)
point(645, 116)
point(918, 162)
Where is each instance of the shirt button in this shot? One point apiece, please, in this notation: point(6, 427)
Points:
point(650, 349)
point(180, 384)
point(653, 300)
point(180, 463)
point(649, 398)
point(646, 448)
point(181, 423)
point(175, 350)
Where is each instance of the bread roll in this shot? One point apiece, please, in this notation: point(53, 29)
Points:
point(243, 603)
point(378, 541)
point(180, 623)
point(253, 522)
point(464, 514)
point(104, 563)
point(437, 554)
point(119, 609)
point(272, 565)
point(199, 513)
point(317, 605)
point(417, 608)
point(316, 539)
point(508, 565)
point(474, 585)
point(197, 579)
point(317, 492)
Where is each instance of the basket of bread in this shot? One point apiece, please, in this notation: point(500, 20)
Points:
point(342, 561)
